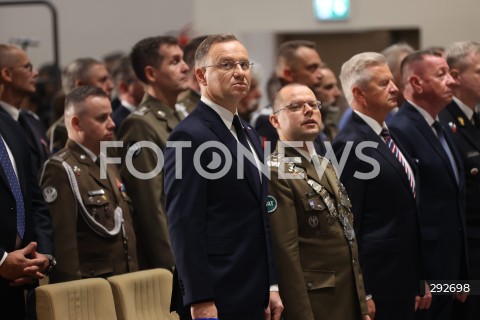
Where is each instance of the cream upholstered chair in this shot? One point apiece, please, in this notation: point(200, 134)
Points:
point(143, 295)
point(90, 299)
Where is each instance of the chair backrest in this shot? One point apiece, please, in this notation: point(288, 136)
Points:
point(90, 299)
point(143, 295)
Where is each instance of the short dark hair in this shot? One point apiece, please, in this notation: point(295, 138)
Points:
point(207, 44)
point(288, 49)
point(146, 52)
point(80, 94)
point(418, 56)
point(189, 51)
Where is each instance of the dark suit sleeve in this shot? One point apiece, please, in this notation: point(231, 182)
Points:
point(186, 204)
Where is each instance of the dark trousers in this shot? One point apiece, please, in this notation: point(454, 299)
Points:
point(441, 309)
point(403, 310)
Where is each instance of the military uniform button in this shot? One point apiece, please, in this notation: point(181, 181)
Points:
point(474, 171)
point(309, 286)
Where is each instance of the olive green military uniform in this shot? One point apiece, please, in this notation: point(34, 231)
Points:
point(190, 100)
point(92, 220)
point(57, 135)
point(152, 122)
point(315, 254)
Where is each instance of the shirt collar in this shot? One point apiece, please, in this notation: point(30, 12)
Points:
point(465, 109)
point(226, 115)
point(11, 110)
point(130, 107)
point(372, 123)
point(88, 152)
point(424, 114)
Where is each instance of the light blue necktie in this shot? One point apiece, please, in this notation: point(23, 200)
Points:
point(14, 187)
point(441, 137)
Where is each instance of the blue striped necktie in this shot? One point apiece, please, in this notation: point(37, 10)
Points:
point(398, 154)
point(14, 187)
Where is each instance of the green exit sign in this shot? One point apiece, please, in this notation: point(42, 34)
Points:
point(331, 9)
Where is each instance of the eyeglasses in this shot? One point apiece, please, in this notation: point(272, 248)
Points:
point(28, 67)
point(230, 65)
point(297, 106)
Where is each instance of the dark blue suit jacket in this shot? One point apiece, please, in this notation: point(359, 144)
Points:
point(119, 115)
point(38, 224)
point(441, 200)
point(386, 217)
point(218, 227)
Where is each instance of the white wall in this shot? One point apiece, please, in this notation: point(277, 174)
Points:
point(93, 27)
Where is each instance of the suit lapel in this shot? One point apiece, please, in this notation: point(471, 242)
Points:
point(382, 149)
point(224, 135)
point(466, 128)
point(10, 140)
point(422, 126)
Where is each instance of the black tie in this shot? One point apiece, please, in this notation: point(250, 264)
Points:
point(476, 120)
point(242, 137)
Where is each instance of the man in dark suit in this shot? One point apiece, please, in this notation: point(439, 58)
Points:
point(217, 219)
point(129, 89)
point(24, 242)
point(383, 200)
point(460, 116)
point(297, 61)
point(18, 77)
point(440, 189)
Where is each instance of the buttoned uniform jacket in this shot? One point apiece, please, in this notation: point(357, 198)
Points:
point(57, 135)
point(441, 200)
point(218, 227)
point(467, 139)
point(38, 223)
point(319, 273)
point(152, 123)
point(81, 252)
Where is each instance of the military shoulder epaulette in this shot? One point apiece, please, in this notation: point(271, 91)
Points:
point(274, 159)
point(141, 111)
point(61, 156)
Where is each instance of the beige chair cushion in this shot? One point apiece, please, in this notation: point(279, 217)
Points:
point(143, 295)
point(90, 299)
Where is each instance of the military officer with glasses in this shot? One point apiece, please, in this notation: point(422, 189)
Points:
point(310, 217)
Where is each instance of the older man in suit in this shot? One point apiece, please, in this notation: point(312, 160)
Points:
point(384, 206)
point(461, 117)
point(441, 186)
point(26, 237)
point(217, 218)
point(18, 77)
point(311, 218)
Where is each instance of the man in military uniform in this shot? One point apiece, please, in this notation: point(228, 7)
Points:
point(79, 72)
point(311, 219)
point(90, 210)
point(461, 117)
point(158, 63)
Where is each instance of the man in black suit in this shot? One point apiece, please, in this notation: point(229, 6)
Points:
point(26, 236)
point(297, 61)
point(217, 218)
point(383, 200)
point(18, 77)
point(460, 116)
point(440, 188)
point(129, 89)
